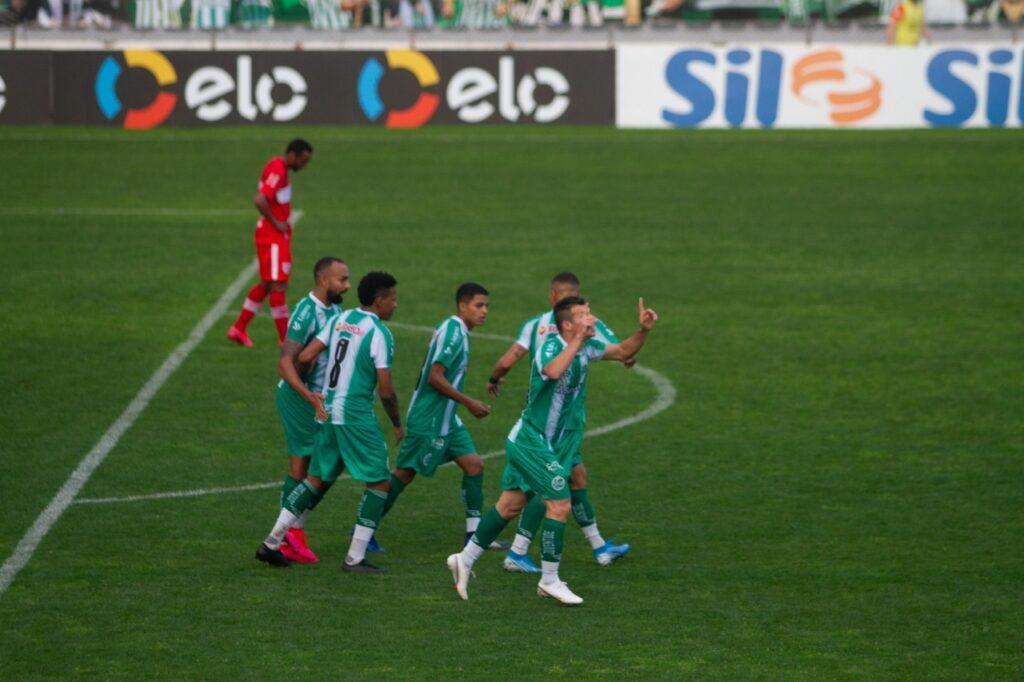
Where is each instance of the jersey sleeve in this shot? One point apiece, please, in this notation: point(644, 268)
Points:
point(897, 13)
point(594, 348)
point(605, 334)
point(449, 349)
point(324, 336)
point(548, 351)
point(302, 325)
point(526, 334)
point(271, 180)
point(382, 348)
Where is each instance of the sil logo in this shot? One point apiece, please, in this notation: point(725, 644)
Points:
point(368, 89)
point(846, 106)
point(157, 111)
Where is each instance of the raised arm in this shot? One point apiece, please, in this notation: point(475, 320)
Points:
point(439, 382)
point(390, 401)
point(630, 347)
point(505, 363)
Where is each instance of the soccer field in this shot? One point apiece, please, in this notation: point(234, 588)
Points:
point(835, 489)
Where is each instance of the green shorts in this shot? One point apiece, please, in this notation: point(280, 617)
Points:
point(530, 465)
point(569, 446)
point(423, 454)
point(358, 449)
point(299, 420)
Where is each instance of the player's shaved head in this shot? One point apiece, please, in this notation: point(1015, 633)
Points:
point(322, 265)
point(563, 284)
point(566, 278)
point(564, 309)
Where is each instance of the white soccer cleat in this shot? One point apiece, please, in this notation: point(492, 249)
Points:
point(559, 591)
point(460, 575)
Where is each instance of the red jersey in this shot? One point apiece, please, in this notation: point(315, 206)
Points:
point(275, 187)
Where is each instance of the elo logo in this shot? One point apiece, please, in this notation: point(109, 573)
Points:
point(826, 66)
point(368, 88)
point(158, 110)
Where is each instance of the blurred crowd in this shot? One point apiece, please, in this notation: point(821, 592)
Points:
point(483, 14)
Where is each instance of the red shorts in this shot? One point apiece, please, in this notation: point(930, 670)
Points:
point(275, 261)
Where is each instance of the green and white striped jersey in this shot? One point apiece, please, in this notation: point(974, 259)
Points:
point(357, 344)
point(538, 328)
point(308, 319)
point(550, 404)
point(430, 413)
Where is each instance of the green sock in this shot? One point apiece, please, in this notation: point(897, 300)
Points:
point(491, 525)
point(300, 498)
point(319, 495)
point(473, 495)
point(396, 489)
point(552, 534)
point(371, 508)
point(287, 487)
point(531, 518)
point(581, 508)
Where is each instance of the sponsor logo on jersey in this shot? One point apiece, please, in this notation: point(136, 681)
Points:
point(350, 328)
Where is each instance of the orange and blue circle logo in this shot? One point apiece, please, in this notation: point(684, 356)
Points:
point(368, 89)
point(157, 111)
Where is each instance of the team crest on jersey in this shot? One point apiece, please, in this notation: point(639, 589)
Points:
point(557, 483)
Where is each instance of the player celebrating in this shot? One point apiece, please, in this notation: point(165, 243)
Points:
point(273, 241)
point(534, 463)
point(531, 337)
point(298, 416)
point(436, 434)
point(359, 350)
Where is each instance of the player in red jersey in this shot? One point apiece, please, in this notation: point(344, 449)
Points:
point(273, 241)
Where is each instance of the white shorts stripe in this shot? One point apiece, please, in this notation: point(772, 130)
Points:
point(274, 262)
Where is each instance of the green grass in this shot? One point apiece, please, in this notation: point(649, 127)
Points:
point(837, 491)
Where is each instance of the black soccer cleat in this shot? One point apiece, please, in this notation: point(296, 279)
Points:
point(363, 566)
point(273, 557)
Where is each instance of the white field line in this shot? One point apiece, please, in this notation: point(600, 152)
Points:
point(666, 395)
point(80, 476)
point(100, 211)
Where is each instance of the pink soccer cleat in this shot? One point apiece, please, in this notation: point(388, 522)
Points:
point(238, 336)
point(296, 542)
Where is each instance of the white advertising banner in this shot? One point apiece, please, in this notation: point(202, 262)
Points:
point(795, 86)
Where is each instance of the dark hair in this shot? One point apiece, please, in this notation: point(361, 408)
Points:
point(467, 291)
point(297, 146)
point(563, 309)
point(373, 284)
point(566, 278)
point(323, 264)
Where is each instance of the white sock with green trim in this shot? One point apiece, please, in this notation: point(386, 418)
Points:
point(285, 520)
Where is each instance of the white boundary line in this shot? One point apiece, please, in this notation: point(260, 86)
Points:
point(65, 497)
point(666, 396)
point(93, 211)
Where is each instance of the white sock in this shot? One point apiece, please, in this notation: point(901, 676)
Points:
point(357, 549)
point(549, 572)
point(471, 552)
point(301, 521)
point(285, 520)
point(521, 545)
point(593, 536)
point(472, 523)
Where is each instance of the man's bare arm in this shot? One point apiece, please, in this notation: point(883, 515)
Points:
point(390, 401)
point(628, 349)
point(263, 206)
point(294, 356)
point(505, 363)
point(440, 383)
